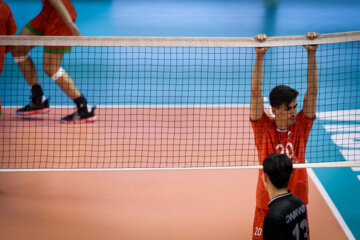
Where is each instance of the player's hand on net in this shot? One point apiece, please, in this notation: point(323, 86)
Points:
point(311, 36)
point(261, 38)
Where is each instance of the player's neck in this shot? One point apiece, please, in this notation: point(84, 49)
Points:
point(276, 192)
point(281, 125)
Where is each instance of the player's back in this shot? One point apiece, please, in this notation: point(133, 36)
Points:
point(286, 219)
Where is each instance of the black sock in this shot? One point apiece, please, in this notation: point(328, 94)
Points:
point(36, 93)
point(81, 104)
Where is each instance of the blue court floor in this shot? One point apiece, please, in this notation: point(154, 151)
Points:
point(246, 18)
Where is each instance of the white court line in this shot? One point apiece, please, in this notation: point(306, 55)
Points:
point(354, 164)
point(342, 128)
point(331, 205)
point(340, 115)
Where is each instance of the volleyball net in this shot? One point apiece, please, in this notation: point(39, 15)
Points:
point(169, 103)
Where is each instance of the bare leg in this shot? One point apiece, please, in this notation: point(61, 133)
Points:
point(27, 66)
point(52, 62)
point(52, 67)
point(38, 103)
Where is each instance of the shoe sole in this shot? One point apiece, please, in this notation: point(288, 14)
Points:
point(39, 111)
point(90, 119)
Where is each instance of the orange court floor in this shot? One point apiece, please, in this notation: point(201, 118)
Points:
point(156, 204)
point(210, 204)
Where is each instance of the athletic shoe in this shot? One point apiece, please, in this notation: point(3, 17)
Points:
point(34, 108)
point(80, 117)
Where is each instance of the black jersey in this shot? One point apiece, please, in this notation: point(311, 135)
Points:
point(286, 219)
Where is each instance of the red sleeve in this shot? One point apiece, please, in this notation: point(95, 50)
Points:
point(305, 122)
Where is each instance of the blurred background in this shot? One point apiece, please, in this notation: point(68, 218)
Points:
point(204, 18)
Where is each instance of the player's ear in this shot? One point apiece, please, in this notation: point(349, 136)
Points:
point(274, 110)
point(265, 178)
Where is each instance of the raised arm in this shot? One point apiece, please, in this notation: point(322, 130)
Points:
point(61, 9)
point(310, 98)
point(257, 99)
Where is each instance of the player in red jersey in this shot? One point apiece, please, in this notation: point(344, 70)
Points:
point(57, 18)
point(286, 134)
point(7, 27)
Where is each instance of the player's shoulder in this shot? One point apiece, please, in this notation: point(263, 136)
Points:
point(295, 200)
point(284, 203)
point(302, 116)
point(264, 117)
point(276, 213)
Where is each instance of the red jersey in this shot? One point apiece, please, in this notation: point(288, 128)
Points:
point(7, 22)
point(51, 16)
point(292, 142)
point(49, 23)
point(7, 27)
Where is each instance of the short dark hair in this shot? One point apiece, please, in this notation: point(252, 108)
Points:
point(282, 94)
point(279, 169)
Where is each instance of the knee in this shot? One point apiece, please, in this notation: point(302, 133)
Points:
point(19, 51)
point(49, 70)
point(54, 74)
point(19, 57)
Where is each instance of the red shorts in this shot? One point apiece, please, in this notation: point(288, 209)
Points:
point(49, 23)
point(258, 225)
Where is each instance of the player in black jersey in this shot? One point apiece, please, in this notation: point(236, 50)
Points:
point(287, 216)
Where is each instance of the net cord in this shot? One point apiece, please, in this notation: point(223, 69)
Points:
point(177, 41)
